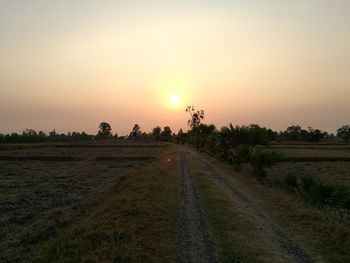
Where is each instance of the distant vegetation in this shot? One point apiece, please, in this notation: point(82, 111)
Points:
point(200, 135)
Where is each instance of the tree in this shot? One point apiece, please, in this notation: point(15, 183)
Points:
point(196, 116)
point(166, 134)
point(181, 137)
point(135, 131)
point(199, 135)
point(344, 133)
point(104, 130)
point(315, 135)
point(156, 132)
point(166, 131)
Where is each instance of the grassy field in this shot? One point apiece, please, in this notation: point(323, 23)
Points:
point(323, 232)
point(104, 204)
point(336, 170)
point(313, 153)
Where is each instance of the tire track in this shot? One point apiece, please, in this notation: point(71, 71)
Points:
point(272, 235)
point(196, 244)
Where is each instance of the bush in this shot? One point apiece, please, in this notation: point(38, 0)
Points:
point(322, 194)
point(306, 182)
point(260, 160)
point(318, 193)
point(291, 180)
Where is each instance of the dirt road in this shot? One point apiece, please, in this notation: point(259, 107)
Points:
point(196, 242)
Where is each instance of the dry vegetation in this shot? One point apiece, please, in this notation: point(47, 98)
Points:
point(314, 153)
point(103, 199)
point(121, 202)
point(323, 232)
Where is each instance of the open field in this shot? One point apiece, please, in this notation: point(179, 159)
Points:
point(152, 202)
point(313, 152)
point(40, 195)
point(331, 172)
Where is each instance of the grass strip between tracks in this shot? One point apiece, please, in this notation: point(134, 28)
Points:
point(232, 232)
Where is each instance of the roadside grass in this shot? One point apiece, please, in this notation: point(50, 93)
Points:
point(324, 233)
point(233, 233)
point(319, 194)
point(135, 222)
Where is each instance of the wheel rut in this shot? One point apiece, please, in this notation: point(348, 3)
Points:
point(272, 235)
point(196, 243)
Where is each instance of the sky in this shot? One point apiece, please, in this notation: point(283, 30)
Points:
point(69, 65)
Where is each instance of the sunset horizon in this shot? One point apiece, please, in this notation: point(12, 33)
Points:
point(70, 65)
point(186, 131)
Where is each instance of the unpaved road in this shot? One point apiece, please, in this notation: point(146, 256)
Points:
point(196, 243)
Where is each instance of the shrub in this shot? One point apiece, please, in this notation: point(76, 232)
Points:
point(260, 160)
point(306, 182)
point(322, 194)
point(291, 180)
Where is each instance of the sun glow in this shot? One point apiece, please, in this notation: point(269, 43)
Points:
point(175, 100)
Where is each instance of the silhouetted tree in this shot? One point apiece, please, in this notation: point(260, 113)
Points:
point(296, 133)
point(104, 130)
point(344, 133)
point(195, 116)
point(315, 135)
point(135, 131)
point(166, 134)
point(181, 137)
point(156, 132)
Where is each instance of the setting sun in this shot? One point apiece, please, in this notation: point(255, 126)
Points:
point(175, 100)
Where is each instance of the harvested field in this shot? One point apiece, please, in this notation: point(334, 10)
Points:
point(45, 188)
point(332, 172)
point(313, 153)
point(162, 203)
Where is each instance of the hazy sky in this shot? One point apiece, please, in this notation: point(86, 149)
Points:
point(69, 64)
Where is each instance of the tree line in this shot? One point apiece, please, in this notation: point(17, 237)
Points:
point(240, 144)
point(104, 133)
point(199, 135)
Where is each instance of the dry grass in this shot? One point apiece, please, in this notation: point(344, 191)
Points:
point(333, 171)
point(329, 172)
point(313, 153)
point(234, 234)
point(324, 233)
point(89, 210)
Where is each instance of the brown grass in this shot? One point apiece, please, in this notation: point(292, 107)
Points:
point(90, 210)
point(323, 232)
point(235, 235)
